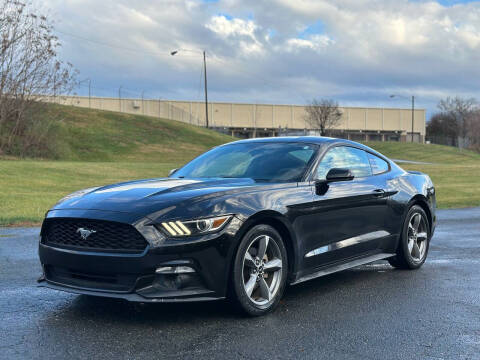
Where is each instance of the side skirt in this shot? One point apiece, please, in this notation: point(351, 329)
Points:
point(341, 267)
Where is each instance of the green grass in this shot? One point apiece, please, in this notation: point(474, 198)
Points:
point(99, 147)
point(455, 172)
point(30, 188)
point(456, 185)
point(431, 153)
point(92, 148)
point(97, 135)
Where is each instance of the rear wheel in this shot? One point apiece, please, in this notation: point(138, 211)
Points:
point(414, 242)
point(260, 271)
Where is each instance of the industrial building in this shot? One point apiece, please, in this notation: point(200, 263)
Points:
point(258, 120)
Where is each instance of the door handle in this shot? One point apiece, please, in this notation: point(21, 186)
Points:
point(379, 192)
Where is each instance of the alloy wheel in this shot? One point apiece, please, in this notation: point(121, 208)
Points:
point(417, 237)
point(262, 270)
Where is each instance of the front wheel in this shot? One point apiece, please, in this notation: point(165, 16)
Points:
point(414, 242)
point(260, 271)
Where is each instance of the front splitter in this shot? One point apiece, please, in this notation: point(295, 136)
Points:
point(133, 297)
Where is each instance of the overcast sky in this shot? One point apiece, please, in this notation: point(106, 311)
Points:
point(357, 52)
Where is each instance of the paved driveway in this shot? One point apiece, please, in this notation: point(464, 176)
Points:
point(371, 312)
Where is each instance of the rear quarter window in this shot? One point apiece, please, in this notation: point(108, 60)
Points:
point(378, 165)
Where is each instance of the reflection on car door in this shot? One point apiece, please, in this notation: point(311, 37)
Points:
point(349, 219)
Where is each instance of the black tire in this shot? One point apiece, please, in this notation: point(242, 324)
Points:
point(244, 268)
point(404, 258)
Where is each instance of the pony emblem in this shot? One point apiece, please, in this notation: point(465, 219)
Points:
point(85, 233)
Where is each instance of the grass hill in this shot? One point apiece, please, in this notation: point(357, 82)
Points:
point(81, 134)
point(94, 147)
point(431, 153)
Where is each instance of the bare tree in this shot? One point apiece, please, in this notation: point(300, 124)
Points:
point(323, 115)
point(443, 129)
point(461, 111)
point(474, 130)
point(29, 67)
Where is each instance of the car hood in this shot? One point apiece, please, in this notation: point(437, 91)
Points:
point(148, 196)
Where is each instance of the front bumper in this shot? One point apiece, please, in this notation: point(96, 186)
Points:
point(134, 277)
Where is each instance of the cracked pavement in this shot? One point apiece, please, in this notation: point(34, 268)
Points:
point(370, 312)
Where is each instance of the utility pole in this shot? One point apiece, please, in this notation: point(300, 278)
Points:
point(89, 90)
point(413, 114)
point(173, 53)
point(206, 91)
point(143, 106)
point(120, 98)
point(413, 111)
point(89, 94)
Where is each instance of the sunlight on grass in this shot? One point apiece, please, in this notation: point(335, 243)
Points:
point(122, 147)
point(30, 188)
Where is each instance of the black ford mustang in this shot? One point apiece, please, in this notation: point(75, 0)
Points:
point(242, 220)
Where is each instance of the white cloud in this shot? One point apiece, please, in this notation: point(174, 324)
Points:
point(225, 27)
point(268, 51)
point(315, 42)
point(231, 29)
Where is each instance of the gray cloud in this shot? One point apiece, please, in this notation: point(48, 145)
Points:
point(355, 51)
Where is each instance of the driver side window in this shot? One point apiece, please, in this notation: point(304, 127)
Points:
point(347, 158)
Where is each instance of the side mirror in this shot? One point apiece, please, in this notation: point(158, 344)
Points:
point(170, 173)
point(337, 174)
point(334, 175)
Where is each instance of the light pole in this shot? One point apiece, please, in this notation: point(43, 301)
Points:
point(89, 90)
point(413, 109)
point(173, 53)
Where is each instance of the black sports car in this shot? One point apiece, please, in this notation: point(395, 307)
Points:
point(242, 220)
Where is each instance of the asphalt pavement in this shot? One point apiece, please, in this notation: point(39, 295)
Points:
point(370, 312)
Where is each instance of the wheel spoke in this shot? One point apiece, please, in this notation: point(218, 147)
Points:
point(250, 285)
point(416, 221)
point(262, 246)
point(410, 245)
point(249, 260)
point(273, 265)
point(422, 235)
point(410, 227)
point(416, 251)
point(262, 269)
point(264, 289)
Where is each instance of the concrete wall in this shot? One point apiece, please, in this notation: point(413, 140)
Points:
point(259, 116)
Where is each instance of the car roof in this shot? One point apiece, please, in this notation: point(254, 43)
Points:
point(323, 140)
point(320, 140)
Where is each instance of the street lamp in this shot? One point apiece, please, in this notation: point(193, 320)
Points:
point(413, 108)
point(173, 53)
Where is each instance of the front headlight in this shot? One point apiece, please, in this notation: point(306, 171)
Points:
point(195, 227)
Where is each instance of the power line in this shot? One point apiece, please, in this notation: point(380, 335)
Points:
point(114, 46)
point(200, 83)
point(124, 89)
point(167, 55)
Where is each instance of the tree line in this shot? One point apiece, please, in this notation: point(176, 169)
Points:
point(456, 123)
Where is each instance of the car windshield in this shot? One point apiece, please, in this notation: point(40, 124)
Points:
point(272, 162)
